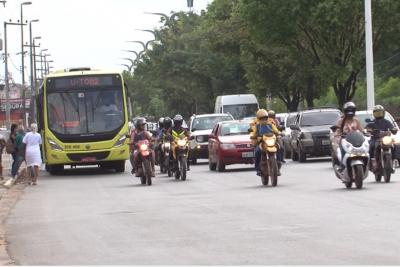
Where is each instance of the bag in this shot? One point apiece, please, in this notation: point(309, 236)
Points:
point(10, 146)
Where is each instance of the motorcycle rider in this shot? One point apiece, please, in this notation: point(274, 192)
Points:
point(375, 127)
point(175, 131)
point(158, 137)
point(139, 134)
point(263, 126)
point(345, 125)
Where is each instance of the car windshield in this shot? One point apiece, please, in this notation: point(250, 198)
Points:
point(363, 117)
point(241, 111)
point(207, 123)
point(238, 128)
point(85, 111)
point(319, 118)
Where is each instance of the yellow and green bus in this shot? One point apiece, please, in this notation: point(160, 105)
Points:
point(83, 119)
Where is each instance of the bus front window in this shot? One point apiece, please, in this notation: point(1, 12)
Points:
point(85, 112)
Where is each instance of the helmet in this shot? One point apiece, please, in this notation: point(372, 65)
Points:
point(262, 113)
point(378, 112)
point(271, 113)
point(349, 109)
point(161, 122)
point(167, 123)
point(178, 120)
point(140, 123)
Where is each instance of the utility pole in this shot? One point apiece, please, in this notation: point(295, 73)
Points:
point(369, 55)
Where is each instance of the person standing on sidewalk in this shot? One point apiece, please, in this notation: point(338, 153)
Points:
point(2, 146)
point(20, 147)
point(33, 140)
point(12, 149)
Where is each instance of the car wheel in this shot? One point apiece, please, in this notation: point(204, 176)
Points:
point(302, 155)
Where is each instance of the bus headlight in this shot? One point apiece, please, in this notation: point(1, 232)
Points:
point(54, 145)
point(120, 141)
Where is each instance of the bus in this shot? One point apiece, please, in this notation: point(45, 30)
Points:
point(239, 106)
point(83, 119)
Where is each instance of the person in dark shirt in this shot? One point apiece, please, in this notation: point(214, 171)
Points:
point(378, 125)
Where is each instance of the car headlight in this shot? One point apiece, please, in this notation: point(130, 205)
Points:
point(143, 147)
point(227, 146)
point(306, 135)
point(200, 139)
point(120, 141)
point(54, 145)
point(270, 142)
point(387, 140)
point(182, 142)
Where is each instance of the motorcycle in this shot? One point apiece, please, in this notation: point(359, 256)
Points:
point(383, 165)
point(181, 146)
point(165, 164)
point(143, 162)
point(269, 166)
point(355, 159)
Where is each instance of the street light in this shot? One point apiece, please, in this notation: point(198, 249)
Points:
point(7, 86)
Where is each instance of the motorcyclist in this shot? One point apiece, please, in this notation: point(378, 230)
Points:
point(177, 131)
point(139, 134)
point(272, 119)
point(375, 127)
point(261, 128)
point(345, 125)
point(158, 137)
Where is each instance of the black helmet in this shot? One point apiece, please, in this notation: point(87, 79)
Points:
point(140, 123)
point(349, 109)
point(161, 122)
point(378, 112)
point(178, 120)
point(167, 123)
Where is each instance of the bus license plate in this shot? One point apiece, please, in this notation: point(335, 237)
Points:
point(88, 159)
point(247, 154)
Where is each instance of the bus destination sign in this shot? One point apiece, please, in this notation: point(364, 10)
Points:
point(83, 82)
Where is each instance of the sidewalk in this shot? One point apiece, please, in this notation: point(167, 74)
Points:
point(8, 199)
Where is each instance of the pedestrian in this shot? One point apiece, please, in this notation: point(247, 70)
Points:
point(11, 148)
point(32, 141)
point(2, 146)
point(20, 147)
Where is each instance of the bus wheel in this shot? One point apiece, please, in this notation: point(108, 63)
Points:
point(120, 166)
point(55, 169)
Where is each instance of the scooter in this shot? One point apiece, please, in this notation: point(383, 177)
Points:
point(355, 159)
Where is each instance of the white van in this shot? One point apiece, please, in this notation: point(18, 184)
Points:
point(239, 106)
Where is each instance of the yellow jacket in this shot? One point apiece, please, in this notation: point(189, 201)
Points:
point(253, 126)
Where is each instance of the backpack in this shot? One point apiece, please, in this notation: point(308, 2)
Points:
point(10, 146)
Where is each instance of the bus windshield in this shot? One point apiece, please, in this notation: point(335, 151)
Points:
point(240, 111)
point(85, 111)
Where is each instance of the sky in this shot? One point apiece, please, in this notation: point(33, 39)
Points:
point(80, 33)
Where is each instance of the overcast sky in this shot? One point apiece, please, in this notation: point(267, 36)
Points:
point(85, 32)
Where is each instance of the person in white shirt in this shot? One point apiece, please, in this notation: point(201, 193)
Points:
point(33, 140)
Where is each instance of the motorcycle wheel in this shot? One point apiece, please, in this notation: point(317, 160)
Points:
point(273, 170)
point(183, 167)
point(387, 169)
point(378, 177)
point(358, 176)
point(264, 179)
point(147, 171)
point(169, 172)
point(348, 185)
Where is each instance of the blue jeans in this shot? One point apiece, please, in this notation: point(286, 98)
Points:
point(257, 155)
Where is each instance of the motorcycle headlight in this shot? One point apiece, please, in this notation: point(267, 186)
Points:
point(167, 145)
point(143, 147)
point(182, 142)
point(387, 140)
point(270, 142)
point(200, 139)
point(120, 141)
point(54, 145)
point(227, 146)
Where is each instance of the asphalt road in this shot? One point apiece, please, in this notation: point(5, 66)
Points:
point(89, 217)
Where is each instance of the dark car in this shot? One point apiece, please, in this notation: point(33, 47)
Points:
point(310, 136)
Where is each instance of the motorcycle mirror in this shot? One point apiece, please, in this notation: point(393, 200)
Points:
point(249, 130)
point(334, 128)
point(368, 120)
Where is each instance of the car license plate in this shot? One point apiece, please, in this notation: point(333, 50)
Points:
point(326, 142)
point(247, 154)
point(88, 159)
